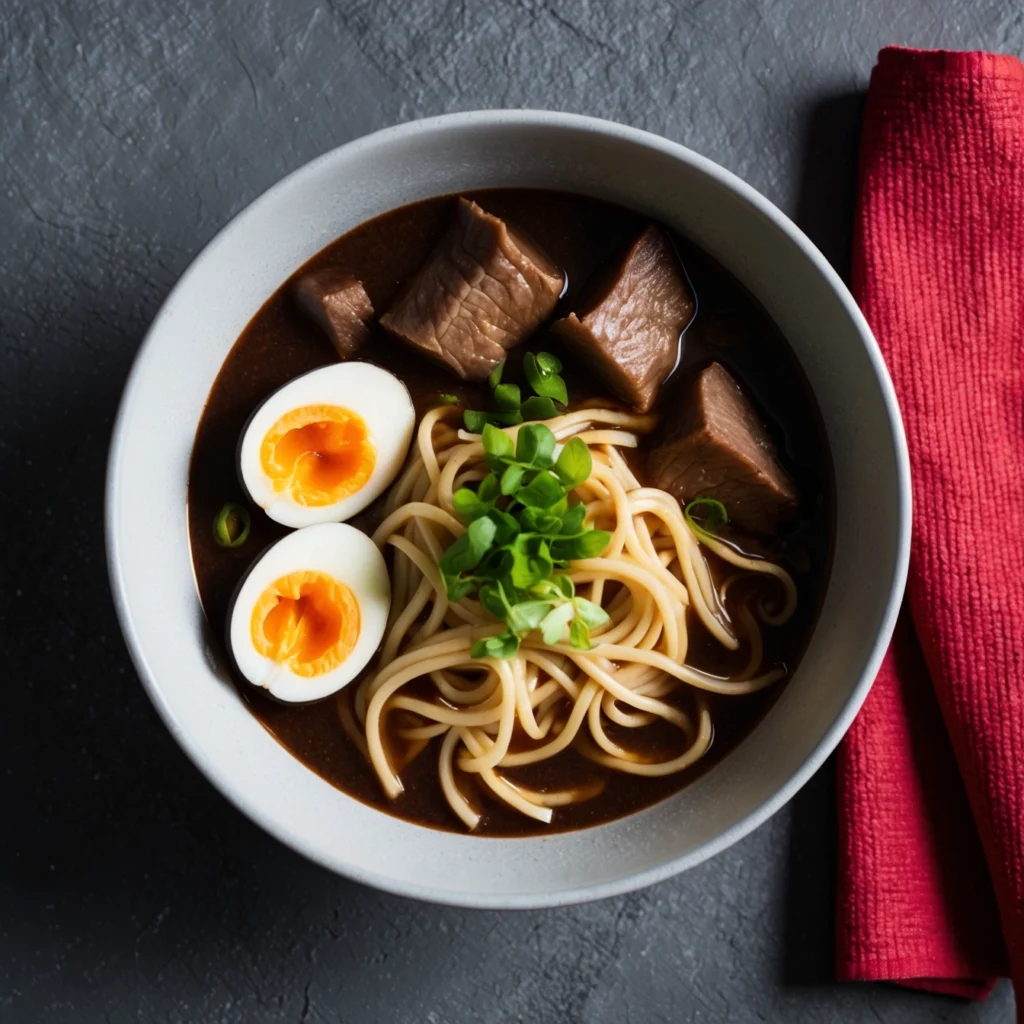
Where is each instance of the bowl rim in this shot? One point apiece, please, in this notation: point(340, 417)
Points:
point(528, 118)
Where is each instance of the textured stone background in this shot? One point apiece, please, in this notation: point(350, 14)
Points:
point(129, 133)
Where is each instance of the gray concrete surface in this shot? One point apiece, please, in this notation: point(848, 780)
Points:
point(130, 131)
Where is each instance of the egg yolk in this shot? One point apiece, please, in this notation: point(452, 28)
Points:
point(306, 620)
point(319, 454)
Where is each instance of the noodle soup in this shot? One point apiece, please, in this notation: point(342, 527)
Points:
point(699, 617)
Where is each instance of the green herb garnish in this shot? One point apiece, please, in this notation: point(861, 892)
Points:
point(231, 526)
point(447, 399)
point(476, 421)
point(522, 532)
point(714, 516)
point(537, 408)
point(506, 397)
point(494, 377)
point(542, 372)
point(509, 409)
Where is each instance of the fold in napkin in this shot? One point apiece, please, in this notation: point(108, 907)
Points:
point(931, 776)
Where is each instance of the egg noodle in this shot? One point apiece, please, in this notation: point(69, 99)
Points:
point(494, 714)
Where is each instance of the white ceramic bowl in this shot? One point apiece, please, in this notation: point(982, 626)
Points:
point(148, 549)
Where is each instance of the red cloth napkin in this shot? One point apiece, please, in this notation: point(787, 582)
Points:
point(931, 776)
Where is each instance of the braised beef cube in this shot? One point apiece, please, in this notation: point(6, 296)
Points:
point(718, 447)
point(628, 322)
point(484, 289)
point(339, 304)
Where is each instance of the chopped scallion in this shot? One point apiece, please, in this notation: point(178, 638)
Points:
point(231, 526)
point(714, 515)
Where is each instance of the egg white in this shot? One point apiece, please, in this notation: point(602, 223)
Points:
point(382, 401)
point(340, 551)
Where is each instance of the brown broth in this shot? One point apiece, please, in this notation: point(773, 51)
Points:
point(579, 233)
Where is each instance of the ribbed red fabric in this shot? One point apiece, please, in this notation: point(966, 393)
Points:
point(931, 776)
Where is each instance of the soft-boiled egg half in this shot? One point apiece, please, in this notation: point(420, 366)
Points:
point(325, 445)
point(310, 614)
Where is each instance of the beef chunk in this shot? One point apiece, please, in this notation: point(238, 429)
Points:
point(482, 290)
point(718, 447)
point(627, 323)
point(339, 304)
